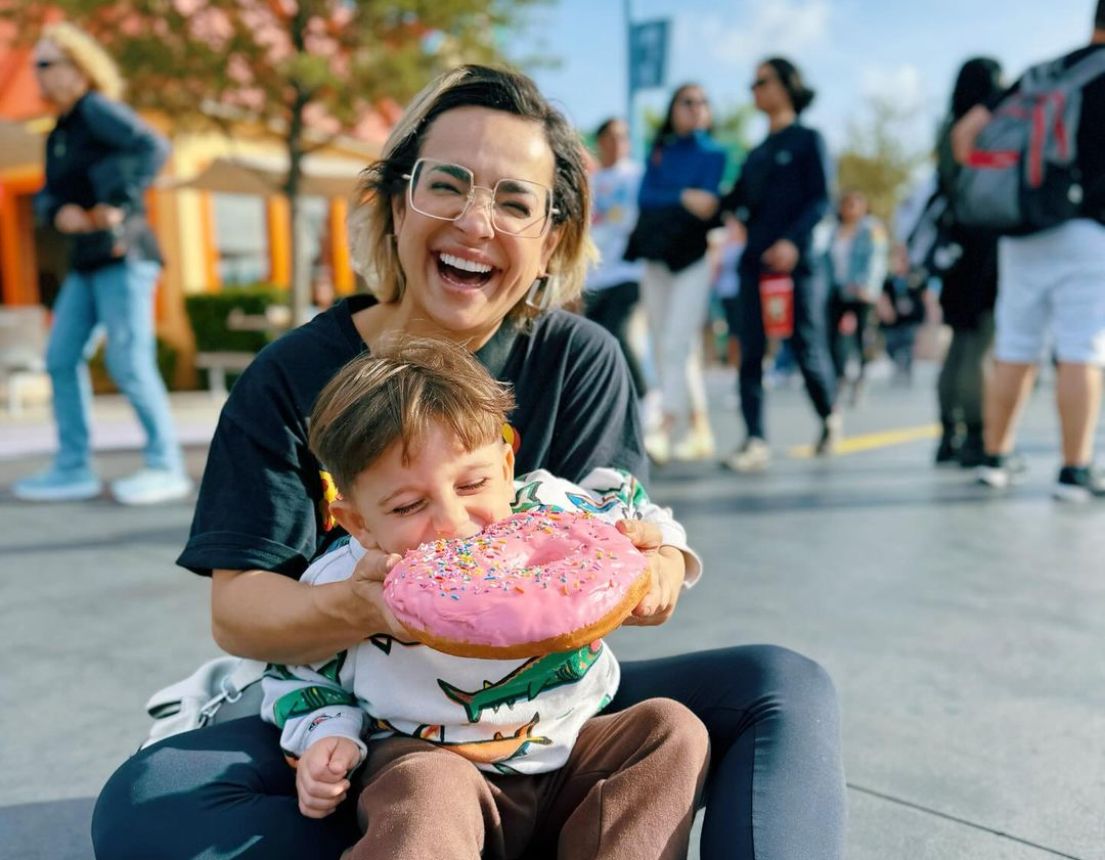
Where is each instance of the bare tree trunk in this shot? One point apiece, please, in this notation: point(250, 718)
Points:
point(300, 286)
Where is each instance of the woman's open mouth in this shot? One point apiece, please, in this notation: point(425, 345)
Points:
point(464, 274)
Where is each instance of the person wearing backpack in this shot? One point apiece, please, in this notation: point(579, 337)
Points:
point(1048, 197)
point(969, 286)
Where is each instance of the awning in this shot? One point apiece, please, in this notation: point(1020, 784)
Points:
point(18, 146)
point(323, 176)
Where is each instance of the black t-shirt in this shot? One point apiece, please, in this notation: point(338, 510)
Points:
point(1091, 135)
point(262, 501)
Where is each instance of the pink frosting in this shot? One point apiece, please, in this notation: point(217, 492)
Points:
point(530, 577)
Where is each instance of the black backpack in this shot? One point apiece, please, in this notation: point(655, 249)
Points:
point(1023, 174)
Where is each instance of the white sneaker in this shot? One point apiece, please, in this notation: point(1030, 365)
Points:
point(752, 456)
point(658, 447)
point(696, 445)
point(151, 486)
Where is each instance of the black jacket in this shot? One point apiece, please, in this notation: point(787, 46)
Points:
point(670, 235)
point(102, 152)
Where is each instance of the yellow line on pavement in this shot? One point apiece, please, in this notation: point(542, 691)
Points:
point(871, 441)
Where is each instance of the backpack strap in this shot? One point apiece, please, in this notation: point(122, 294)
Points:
point(1048, 75)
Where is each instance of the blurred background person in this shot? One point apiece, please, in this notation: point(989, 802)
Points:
point(100, 159)
point(781, 195)
point(900, 309)
point(969, 286)
point(855, 268)
point(613, 285)
point(678, 200)
point(725, 254)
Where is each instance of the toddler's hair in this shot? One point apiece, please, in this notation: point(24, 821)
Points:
point(396, 394)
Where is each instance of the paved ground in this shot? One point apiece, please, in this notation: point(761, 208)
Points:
point(964, 630)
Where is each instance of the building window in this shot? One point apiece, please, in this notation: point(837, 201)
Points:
point(241, 238)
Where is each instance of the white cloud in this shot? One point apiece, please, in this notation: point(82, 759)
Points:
point(768, 27)
point(903, 85)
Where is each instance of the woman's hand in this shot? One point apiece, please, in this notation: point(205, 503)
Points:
point(701, 204)
point(781, 257)
point(367, 584)
point(667, 568)
point(105, 217)
point(71, 218)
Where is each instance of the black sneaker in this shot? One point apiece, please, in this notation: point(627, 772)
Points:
point(1078, 484)
point(947, 452)
point(1000, 470)
point(832, 429)
point(972, 453)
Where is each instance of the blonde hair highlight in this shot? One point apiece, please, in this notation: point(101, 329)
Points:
point(88, 56)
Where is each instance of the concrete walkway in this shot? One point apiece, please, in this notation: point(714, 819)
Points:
point(964, 630)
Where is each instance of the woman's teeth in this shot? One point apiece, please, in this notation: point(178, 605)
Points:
point(464, 265)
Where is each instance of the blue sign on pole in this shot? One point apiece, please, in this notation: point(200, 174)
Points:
point(648, 54)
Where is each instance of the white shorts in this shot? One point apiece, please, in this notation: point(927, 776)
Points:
point(1056, 277)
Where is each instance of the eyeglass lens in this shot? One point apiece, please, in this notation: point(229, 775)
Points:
point(445, 191)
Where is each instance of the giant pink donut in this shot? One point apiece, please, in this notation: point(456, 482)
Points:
point(534, 583)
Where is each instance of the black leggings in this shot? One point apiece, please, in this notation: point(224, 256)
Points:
point(842, 345)
point(960, 385)
point(809, 342)
point(776, 787)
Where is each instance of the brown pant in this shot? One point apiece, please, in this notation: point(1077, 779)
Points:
point(627, 792)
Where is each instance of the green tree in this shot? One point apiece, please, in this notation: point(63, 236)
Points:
point(306, 70)
point(876, 158)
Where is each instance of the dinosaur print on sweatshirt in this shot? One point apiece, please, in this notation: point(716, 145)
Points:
point(527, 681)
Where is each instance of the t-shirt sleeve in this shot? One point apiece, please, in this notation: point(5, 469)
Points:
point(258, 502)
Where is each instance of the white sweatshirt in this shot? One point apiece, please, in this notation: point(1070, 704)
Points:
point(506, 716)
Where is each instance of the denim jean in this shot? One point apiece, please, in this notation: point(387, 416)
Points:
point(119, 300)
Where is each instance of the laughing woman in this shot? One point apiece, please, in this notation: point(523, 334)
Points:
point(473, 227)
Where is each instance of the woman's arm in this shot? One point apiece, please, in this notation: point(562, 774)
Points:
point(655, 194)
point(137, 153)
point(815, 174)
point(299, 623)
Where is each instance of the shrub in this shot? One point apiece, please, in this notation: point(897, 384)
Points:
point(207, 313)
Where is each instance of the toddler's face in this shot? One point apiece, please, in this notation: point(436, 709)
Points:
point(443, 492)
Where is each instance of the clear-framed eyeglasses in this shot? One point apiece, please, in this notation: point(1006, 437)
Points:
point(445, 191)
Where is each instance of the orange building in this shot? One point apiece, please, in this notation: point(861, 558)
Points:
point(216, 208)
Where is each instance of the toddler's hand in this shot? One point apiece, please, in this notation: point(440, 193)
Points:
point(667, 567)
point(321, 775)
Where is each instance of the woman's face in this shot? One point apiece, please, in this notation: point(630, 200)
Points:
point(691, 111)
point(768, 91)
point(59, 80)
point(463, 277)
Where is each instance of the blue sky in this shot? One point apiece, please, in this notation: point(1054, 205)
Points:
point(849, 50)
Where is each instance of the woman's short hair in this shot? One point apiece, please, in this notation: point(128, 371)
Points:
point(396, 394)
point(371, 223)
point(88, 56)
point(801, 96)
